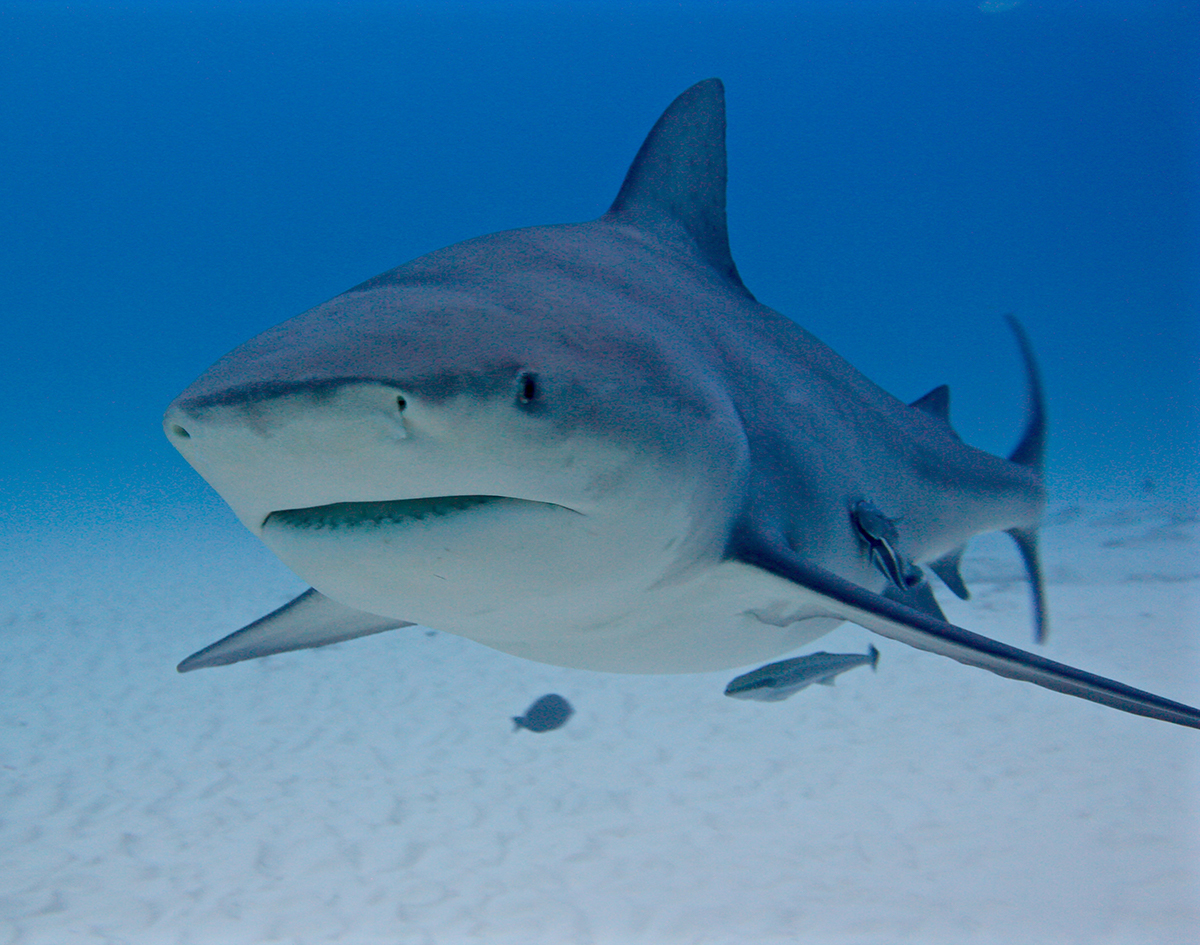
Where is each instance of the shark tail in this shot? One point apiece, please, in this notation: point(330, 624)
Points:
point(1031, 452)
point(1026, 540)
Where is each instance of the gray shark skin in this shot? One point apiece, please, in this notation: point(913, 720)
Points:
point(589, 445)
point(777, 681)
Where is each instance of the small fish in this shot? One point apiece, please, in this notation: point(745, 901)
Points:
point(547, 713)
point(878, 533)
point(776, 681)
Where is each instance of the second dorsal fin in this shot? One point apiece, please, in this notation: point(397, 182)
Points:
point(937, 405)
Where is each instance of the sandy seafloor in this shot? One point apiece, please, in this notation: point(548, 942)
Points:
point(374, 792)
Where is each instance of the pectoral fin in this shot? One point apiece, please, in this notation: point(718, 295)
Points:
point(898, 621)
point(308, 621)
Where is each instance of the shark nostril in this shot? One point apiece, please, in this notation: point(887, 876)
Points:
point(181, 432)
point(527, 387)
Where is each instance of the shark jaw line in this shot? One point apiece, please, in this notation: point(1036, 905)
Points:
point(397, 512)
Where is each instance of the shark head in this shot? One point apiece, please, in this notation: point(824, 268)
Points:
point(493, 423)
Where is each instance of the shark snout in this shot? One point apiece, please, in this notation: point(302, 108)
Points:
point(300, 448)
point(176, 423)
point(178, 426)
point(320, 413)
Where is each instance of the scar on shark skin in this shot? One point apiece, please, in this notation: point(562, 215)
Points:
point(589, 445)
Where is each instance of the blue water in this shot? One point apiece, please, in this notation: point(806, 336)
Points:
point(177, 177)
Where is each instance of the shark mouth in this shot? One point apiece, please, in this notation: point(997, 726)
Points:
point(355, 515)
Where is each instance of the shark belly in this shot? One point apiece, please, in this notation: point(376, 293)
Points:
point(546, 583)
point(455, 563)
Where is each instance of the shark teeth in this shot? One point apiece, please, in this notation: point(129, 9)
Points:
point(341, 515)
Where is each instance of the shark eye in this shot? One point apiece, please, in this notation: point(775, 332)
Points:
point(527, 387)
point(401, 403)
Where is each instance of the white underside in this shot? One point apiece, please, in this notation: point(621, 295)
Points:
point(553, 585)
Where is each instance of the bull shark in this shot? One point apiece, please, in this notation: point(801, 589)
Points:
point(589, 445)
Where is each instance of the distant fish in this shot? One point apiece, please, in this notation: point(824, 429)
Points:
point(776, 681)
point(548, 712)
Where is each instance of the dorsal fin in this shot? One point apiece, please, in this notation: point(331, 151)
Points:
point(936, 403)
point(678, 177)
